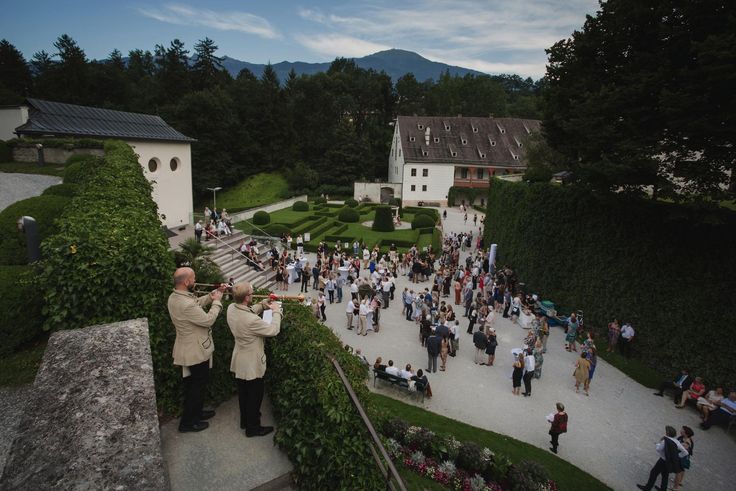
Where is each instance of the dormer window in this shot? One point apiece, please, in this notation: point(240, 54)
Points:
point(412, 139)
point(475, 129)
point(481, 154)
point(425, 153)
point(436, 139)
point(420, 126)
point(501, 129)
point(447, 125)
point(492, 141)
point(463, 139)
point(528, 131)
point(518, 143)
point(453, 152)
point(513, 155)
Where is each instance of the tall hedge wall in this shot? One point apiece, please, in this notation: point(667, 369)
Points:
point(668, 269)
point(318, 427)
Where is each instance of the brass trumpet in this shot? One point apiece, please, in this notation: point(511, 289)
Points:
point(227, 290)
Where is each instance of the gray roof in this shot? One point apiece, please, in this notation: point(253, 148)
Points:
point(466, 140)
point(69, 120)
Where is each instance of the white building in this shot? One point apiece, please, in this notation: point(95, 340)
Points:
point(164, 153)
point(431, 154)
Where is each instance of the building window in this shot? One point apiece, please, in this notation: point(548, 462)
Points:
point(480, 172)
point(413, 187)
point(436, 140)
point(420, 126)
point(174, 164)
point(413, 173)
point(463, 172)
point(153, 165)
point(425, 172)
point(424, 187)
point(412, 139)
point(399, 152)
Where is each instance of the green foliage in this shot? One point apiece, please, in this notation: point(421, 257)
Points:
point(64, 189)
point(64, 143)
point(109, 262)
point(455, 194)
point(6, 154)
point(261, 218)
point(276, 229)
point(538, 174)
point(528, 476)
point(78, 157)
point(300, 206)
point(318, 427)
point(44, 209)
point(20, 368)
point(320, 200)
point(21, 306)
point(257, 190)
point(351, 202)
point(349, 215)
point(617, 249)
point(78, 171)
point(470, 457)
point(422, 221)
point(384, 220)
point(396, 202)
point(195, 255)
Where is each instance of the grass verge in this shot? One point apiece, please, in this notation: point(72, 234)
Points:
point(20, 368)
point(566, 475)
point(632, 367)
point(258, 190)
point(33, 168)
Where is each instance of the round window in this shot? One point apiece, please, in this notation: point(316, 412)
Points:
point(174, 164)
point(153, 165)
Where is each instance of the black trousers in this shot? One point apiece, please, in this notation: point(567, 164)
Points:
point(666, 384)
point(528, 382)
point(305, 284)
point(195, 386)
point(250, 396)
point(660, 468)
point(555, 439)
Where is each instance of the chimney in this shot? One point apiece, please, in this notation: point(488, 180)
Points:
point(426, 135)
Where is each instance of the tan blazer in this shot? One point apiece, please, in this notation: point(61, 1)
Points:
point(193, 343)
point(249, 357)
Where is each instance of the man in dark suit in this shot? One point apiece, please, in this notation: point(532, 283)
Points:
point(679, 385)
point(669, 460)
point(433, 351)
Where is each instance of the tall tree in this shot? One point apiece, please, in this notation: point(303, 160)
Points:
point(71, 76)
point(207, 69)
point(15, 76)
point(173, 71)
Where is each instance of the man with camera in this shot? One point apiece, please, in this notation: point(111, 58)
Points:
point(249, 357)
point(193, 347)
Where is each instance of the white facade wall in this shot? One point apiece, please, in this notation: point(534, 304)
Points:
point(438, 180)
point(172, 189)
point(10, 119)
point(396, 158)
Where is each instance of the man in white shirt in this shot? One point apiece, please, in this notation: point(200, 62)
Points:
point(350, 307)
point(354, 288)
point(363, 317)
point(386, 290)
point(627, 337)
point(366, 257)
point(528, 373)
point(670, 451)
point(392, 370)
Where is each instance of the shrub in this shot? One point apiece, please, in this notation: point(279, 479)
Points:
point(395, 428)
point(352, 203)
point(261, 218)
point(422, 221)
point(300, 206)
point(63, 189)
point(420, 438)
point(276, 229)
point(470, 458)
point(6, 153)
point(528, 476)
point(77, 172)
point(78, 157)
point(318, 427)
point(320, 200)
point(45, 209)
point(384, 221)
point(349, 215)
point(21, 305)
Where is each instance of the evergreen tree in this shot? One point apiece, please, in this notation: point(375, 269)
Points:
point(71, 75)
point(15, 76)
point(173, 71)
point(207, 70)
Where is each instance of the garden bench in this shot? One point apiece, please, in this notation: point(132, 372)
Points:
point(399, 382)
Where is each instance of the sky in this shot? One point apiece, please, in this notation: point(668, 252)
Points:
point(490, 36)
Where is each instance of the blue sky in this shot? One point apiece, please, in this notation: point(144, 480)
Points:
point(491, 36)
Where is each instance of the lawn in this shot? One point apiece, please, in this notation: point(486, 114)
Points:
point(566, 475)
point(20, 368)
point(32, 168)
point(258, 190)
point(632, 367)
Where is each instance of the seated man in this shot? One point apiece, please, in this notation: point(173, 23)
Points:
point(391, 369)
point(679, 385)
point(726, 410)
point(422, 382)
point(407, 373)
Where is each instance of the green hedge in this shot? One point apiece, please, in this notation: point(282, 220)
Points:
point(300, 206)
point(276, 229)
point(318, 427)
point(45, 209)
point(64, 189)
point(349, 215)
point(110, 262)
point(65, 143)
point(667, 269)
point(320, 200)
point(6, 153)
point(384, 220)
point(21, 305)
point(261, 218)
point(456, 194)
point(80, 169)
point(352, 203)
point(418, 210)
point(422, 221)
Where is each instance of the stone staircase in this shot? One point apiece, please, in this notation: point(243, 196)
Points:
point(234, 265)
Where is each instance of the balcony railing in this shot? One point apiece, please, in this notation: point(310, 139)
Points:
point(471, 182)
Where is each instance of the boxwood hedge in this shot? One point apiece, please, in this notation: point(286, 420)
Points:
point(348, 215)
point(64, 189)
point(384, 220)
point(667, 269)
point(300, 206)
point(261, 218)
point(422, 221)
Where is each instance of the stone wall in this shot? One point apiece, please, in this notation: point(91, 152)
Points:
point(52, 155)
point(91, 420)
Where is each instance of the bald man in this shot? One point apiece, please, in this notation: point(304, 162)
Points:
point(249, 357)
point(193, 347)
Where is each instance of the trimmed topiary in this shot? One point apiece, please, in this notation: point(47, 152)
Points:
point(425, 211)
point(320, 201)
point(422, 221)
point(300, 206)
point(276, 229)
point(64, 189)
point(348, 215)
point(384, 220)
point(261, 218)
point(352, 203)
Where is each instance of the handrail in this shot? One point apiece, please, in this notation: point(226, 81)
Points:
point(391, 472)
point(271, 237)
point(232, 249)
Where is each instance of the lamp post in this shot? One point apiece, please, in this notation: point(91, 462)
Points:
point(214, 196)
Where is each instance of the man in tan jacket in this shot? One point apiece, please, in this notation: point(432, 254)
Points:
point(193, 347)
point(249, 358)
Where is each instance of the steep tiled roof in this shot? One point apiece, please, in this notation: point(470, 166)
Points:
point(469, 140)
point(59, 119)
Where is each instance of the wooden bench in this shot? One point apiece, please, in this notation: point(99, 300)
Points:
point(398, 382)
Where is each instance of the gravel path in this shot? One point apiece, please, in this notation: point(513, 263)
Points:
point(611, 434)
point(15, 187)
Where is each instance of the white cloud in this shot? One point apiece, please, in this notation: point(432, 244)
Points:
point(334, 45)
point(180, 14)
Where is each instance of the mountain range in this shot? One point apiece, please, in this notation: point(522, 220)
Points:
point(395, 62)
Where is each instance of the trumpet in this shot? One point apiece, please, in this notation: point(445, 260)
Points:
point(227, 290)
